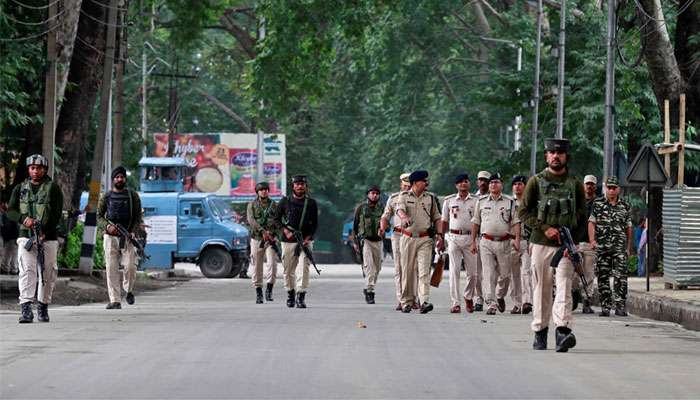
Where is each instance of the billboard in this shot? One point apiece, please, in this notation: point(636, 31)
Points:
point(226, 163)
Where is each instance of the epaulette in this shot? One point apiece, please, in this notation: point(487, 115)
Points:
point(482, 196)
point(507, 197)
point(394, 195)
point(451, 196)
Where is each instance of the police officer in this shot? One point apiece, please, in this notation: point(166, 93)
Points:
point(610, 232)
point(366, 226)
point(495, 217)
point(260, 214)
point(457, 213)
point(589, 182)
point(390, 214)
point(297, 213)
point(482, 180)
point(420, 214)
point(552, 199)
point(523, 257)
point(36, 203)
point(120, 206)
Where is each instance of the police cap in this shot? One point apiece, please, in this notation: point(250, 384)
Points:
point(552, 144)
point(461, 177)
point(483, 175)
point(495, 177)
point(419, 175)
point(299, 179)
point(612, 181)
point(519, 178)
point(404, 176)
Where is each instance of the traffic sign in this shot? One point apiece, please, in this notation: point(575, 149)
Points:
point(647, 168)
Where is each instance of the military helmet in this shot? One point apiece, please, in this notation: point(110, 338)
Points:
point(37, 159)
point(262, 186)
point(373, 188)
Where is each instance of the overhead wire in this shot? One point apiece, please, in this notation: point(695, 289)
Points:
point(34, 36)
point(108, 6)
point(35, 7)
point(33, 23)
point(77, 37)
point(102, 22)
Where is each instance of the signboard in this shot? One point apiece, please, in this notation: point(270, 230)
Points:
point(161, 229)
point(647, 168)
point(226, 163)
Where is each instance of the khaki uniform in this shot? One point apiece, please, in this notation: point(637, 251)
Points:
point(479, 268)
point(296, 268)
point(389, 212)
point(259, 213)
point(416, 245)
point(117, 259)
point(496, 218)
point(589, 257)
point(458, 213)
point(28, 268)
point(372, 256)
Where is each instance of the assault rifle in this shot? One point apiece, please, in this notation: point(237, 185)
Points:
point(301, 247)
point(569, 246)
point(360, 242)
point(273, 245)
point(36, 239)
point(124, 235)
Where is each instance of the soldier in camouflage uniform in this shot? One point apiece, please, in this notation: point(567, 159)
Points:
point(263, 228)
point(368, 232)
point(610, 233)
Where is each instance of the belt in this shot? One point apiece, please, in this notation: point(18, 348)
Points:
point(497, 238)
point(415, 235)
point(398, 229)
point(460, 232)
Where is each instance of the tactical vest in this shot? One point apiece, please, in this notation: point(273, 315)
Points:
point(36, 205)
point(369, 221)
point(262, 214)
point(557, 203)
point(119, 207)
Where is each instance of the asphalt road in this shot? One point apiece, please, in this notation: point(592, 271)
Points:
point(207, 339)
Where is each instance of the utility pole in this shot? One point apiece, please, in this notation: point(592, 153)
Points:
point(144, 96)
point(49, 132)
point(538, 51)
point(116, 147)
point(90, 231)
point(560, 86)
point(609, 138)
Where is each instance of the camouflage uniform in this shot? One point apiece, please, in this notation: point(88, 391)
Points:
point(611, 225)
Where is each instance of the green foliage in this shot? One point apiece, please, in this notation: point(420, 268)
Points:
point(70, 257)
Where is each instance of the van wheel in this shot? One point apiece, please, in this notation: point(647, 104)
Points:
point(215, 262)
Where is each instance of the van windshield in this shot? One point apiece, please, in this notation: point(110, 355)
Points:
point(221, 208)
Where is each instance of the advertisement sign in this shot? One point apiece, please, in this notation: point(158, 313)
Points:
point(226, 163)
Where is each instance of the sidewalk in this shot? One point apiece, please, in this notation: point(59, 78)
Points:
point(679, 306)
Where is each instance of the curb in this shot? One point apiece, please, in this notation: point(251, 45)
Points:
point(664, 309)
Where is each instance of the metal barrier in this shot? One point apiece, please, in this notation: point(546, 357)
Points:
point(681, 228)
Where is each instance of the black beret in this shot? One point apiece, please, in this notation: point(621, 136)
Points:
point(262, 185)
point(118, 170)
point(419, 175)
point(299, 179)
point(495, 177)
point(519, 178)
point(459, 178)
point(552, 144)
point(373, 188)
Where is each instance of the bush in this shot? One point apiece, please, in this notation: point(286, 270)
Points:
point(632, 264)
point(70, 256)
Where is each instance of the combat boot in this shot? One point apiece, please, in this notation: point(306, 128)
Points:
point(587, 307)
point(366, 296)
point(290, 298)
point(27, 314)
point(575, 299)
point(42, 312)
point(114, 306)
point(426, 308)
point(258, 295)
point(371, 298)
point(565, 339)
point(540, 342)
point(478, 307)
point(300, 300)
point(527, 308)
point(130, 298)
point(620, 311)
point(268, 292)
point(605, 312)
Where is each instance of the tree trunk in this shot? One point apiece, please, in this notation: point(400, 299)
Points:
point(688, 25)
point(86, 75)
point(65, 40)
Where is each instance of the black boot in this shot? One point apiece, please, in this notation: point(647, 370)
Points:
point(290, 298)
point(300, 300)
point(371, 298)
point(27, 314)
point(620, 311)
point(575, 299)
point(604, 312)
point(565, 339)
point(426, 308)
point(258, 295)
point(366, 295)
point(268, 292)
point(587, 307)
point(540, 342)
point(42, 311)
point(478, 307)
